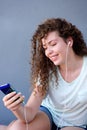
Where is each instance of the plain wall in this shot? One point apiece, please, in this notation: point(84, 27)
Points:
point(18, 20)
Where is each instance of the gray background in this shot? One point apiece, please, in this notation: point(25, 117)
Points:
point(18, 20)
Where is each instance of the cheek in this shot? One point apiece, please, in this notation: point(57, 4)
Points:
point(62, 50)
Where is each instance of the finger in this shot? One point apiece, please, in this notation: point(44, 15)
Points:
point(16, 103)
point(15, 97)
point(8, 96)
point(15, 108)
point(12, 99)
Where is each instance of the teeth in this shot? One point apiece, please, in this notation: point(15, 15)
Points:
point(53, 57)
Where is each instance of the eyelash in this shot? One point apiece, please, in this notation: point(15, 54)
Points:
point(52, 44)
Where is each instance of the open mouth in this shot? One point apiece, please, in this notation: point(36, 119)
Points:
point(54, 57)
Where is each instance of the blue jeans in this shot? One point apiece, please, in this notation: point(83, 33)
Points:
point(53, 126)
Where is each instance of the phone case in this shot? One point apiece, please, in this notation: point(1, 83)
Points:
point(6, 88)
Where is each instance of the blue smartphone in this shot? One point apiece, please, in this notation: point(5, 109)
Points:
point(6, 88)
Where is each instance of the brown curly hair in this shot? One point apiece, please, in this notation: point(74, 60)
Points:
point(41, 65)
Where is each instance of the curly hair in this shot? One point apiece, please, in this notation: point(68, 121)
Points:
point(41, 65)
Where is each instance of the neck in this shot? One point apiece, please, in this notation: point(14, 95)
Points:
point(72, 68)
point(72, 63)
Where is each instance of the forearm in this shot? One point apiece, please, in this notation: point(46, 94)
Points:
point(28, 111)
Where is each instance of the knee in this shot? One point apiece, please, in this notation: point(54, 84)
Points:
point(17, 125)
point(40, 122)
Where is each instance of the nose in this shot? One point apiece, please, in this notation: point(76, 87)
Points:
point(48, 52)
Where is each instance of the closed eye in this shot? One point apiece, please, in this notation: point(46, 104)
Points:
point(53, 43)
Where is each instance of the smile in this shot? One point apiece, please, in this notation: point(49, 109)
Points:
point(53, 58)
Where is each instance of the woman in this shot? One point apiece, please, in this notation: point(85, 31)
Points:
point(59, 77)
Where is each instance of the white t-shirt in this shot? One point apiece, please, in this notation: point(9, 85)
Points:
point(67, 102)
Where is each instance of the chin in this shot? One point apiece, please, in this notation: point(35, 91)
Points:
point(56, 63)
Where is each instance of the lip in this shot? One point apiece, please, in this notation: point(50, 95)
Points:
point(53, 58)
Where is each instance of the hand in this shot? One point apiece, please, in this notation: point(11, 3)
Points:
point(13, 100)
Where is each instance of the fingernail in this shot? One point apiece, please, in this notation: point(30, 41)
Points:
point(14, 92)
point(19, 93)
point(23, 96)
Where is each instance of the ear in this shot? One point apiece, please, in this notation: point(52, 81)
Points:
point(70, 42)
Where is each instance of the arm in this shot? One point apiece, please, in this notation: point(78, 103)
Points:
point(31, 108)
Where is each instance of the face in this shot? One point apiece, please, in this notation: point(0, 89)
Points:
point(55, 48)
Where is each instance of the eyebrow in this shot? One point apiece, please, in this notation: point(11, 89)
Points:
point(44, 44)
